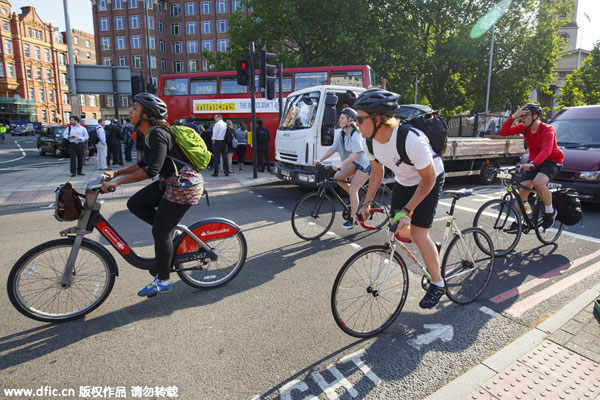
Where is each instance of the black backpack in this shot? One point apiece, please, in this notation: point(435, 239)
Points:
point(431, 124)
point(568, 206)
point(94, 137)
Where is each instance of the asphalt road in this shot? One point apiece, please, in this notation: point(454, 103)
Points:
point(269, 333)
point(20, 153)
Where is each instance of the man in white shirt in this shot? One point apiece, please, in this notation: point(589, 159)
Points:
point(418, 186)
point(219, 145)
point(76, 135)
point(101, 145)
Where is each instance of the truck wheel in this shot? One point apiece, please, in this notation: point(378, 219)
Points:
point(488, 172)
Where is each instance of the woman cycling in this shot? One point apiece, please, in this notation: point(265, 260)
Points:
point(354, 163)
point(162, 203)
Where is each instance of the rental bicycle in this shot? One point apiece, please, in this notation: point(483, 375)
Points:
point(314, 213)
point(65, 279)
point(499, 217)
point(371, 287)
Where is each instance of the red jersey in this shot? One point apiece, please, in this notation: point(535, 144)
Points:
point(542, 144)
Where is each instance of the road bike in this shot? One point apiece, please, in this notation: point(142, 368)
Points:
point(67, 278)
point(314, 213)
point(496, 217)
point(371, 288)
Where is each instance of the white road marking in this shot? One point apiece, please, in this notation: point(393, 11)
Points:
point(436, 331)
point(488, 311)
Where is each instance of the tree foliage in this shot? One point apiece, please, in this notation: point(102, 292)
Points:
point(407, 39)
point(583, 85)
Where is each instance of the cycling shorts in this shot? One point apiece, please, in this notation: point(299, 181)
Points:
point(361, 168)
point(425, 212)
point(548, 168)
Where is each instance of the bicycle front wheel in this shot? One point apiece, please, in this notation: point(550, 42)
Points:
point(34, 287)
point(369, 292)
point(312, 216)
point(229, 245)
point(382, 199)
point(496, 218)
point(468, 265)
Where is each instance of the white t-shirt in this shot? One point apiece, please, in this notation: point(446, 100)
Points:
point(418, 150)
point(219, 130)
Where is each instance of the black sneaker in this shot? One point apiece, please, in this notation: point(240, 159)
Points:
point(433, 296)
point(549, 219)
point(349, 224)
point(513, 228)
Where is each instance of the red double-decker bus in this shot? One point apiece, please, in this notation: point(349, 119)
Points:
point(208, 93)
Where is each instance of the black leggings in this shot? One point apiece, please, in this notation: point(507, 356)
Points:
point(149, 206)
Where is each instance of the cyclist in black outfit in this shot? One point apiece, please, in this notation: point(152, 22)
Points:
point(155, 204)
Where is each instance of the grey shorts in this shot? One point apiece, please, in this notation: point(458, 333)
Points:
point(548, 168)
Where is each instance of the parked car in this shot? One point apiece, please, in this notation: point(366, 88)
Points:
point(578, 136)
point(51, 141)
point(23, 130)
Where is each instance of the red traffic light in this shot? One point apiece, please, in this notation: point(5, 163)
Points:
point(243, 72)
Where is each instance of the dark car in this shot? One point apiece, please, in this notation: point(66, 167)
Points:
point(578, 136)
point(51, 141)
point(22, 130)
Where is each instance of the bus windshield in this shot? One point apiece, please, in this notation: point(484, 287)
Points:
point(300, 111)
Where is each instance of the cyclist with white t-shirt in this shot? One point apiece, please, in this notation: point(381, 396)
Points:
point(417, 188)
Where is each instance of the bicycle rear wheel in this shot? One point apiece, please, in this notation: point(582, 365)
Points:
point(547, 235)
point(360, 307)
point(312, 216)
point(34, 287)
point(496, 218)
point(468, 265)
point(228, 242)
point(382, 199)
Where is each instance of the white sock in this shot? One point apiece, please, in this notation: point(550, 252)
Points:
point(549, 209)
point(439, 284)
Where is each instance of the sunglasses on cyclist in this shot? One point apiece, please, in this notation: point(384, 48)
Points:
point(360, 118)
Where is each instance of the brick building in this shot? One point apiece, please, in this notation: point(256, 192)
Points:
point(168, 36)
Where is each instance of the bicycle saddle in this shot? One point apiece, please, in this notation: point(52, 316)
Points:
point(457, 194)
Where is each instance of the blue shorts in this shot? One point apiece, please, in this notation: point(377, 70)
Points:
point(361, 168)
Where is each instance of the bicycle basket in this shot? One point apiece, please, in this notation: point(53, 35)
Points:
point(324, 173)
point(67, 203)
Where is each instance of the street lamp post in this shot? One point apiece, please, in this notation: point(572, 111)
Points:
point(487, 95)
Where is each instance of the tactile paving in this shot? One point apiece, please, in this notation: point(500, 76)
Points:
point(548, 372)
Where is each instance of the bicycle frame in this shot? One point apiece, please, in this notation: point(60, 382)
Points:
point(513, 192)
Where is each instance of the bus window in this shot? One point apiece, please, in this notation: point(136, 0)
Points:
point(303, 80)
point(229, 85)
point(287, 84)
point(347, 78)
point(203, 86)
point(372, 78)
point(175, 87)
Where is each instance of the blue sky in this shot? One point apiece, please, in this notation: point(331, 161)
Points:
point(80, 12)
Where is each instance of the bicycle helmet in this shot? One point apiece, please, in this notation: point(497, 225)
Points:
point(378, 101)
point(153, 106)
point(350, 113)
point(534, 108)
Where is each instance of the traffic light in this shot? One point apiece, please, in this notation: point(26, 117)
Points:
point(243, 72)
point(137, 83)
point(266, 76)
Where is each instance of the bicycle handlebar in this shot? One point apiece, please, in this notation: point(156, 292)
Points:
point(96, 184)
point(392, 226)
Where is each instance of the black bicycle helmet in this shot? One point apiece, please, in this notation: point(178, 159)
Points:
point(534, 108)
point(153, 106)
point(350, 113)
point(378, 101)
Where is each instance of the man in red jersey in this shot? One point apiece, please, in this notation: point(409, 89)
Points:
point(545, 157)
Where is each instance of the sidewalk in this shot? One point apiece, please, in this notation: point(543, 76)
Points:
point(558, 359)
point(37, 184)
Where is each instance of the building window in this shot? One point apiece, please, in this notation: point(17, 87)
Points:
point(192, 46)
point(88, 54)
point(63, 79)
point(192, 65)
point(117, 4)
point(101, 6)
point(163, 64)
point(51, 96)
point(2, 74)
point(161, 27)
point(136, 42)
point(120, 43)
point(87, 44)
point(103, 22)
point(163, 46)
point(47, 55)
point(42, 95)
point(53, 116)
point(222, 26)
point(38, 55)
point(124, 101)
point(76, 54)
point(175, 29)
point(29, 72)
point(31, 94)
point(82, 99)
point(62, 59)
point(153, 62)
point(7, 46)
point(222, 45)
point(151, 42)
point(26, 50)
point(106, 60)
point(93, 102)
point(206, 26)
point(119, 23)
point(207, 45)
point(150, 22)
point(177, 66)
point(177, 48)
point(134, 22)
point(44, 116)
point(221, 6)
point(175, 10)
point(49, 75)
point(75, 40)
point(159, 7)
point(109, 101)
point(237, 5)
point(206, 7)
point(191, 28)
point(149, 4)
point(136, 61)
point(190, 8)
point(38, 74)
point(105, 43)
point(5, 25)
point(133, 3)
point(122, 61)
point(65, 97)
point(204, 64)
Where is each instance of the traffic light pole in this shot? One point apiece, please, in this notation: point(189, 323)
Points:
point(253, 106)
point(280, 90)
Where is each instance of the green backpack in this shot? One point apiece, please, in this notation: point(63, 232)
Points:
point(192, 145)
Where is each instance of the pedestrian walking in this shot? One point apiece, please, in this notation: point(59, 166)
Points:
point(101, 145)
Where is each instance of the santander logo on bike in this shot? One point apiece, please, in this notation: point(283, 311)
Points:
point(113, 238)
